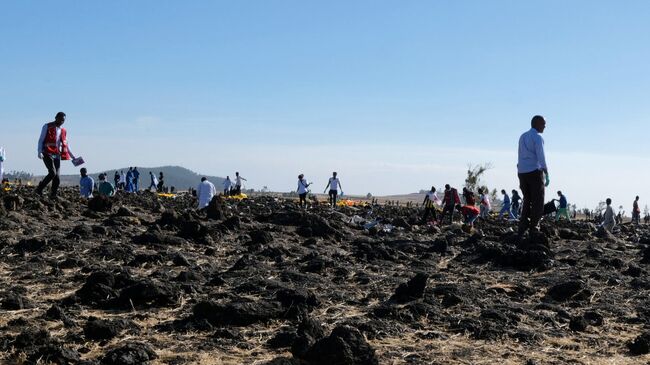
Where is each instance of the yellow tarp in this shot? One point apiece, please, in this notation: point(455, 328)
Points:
point(164, 195)
point(237, 197)
point(351, 203)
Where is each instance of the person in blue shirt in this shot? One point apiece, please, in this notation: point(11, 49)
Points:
point(533, 175)
point(129, 180)
point(563, 209)
point(506, 207)
point(86, 184)
point(136, 179)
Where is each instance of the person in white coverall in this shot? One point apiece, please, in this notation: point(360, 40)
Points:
point(205, 191)
point(2, 161)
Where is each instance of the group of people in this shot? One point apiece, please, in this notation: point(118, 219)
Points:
point(532, 172)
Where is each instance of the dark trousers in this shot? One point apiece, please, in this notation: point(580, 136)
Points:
point(447, 210)
point(53, 165)
point(333, 194)
point(532, 187)
point(303, 199)
point(429, 212)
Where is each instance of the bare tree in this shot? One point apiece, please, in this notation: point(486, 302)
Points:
point(474, 174)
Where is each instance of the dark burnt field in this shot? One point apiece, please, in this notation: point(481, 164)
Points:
point(151, 281)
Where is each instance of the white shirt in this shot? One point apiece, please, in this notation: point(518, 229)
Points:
point(531, 152)
point(334, 183)
point(123, 178)
point(205, 191)
point(2, 154)
point(227, 183)
point(433, 197)
point(238, 181)
point(302, 186)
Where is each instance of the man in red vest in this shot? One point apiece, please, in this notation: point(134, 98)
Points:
point(52, 148)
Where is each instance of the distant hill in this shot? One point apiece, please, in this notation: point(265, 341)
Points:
point(176, 176)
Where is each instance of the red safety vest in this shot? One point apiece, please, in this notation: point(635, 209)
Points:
point(49, 145)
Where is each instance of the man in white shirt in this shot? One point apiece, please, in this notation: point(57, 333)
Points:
point(609, 221)
point(226, 186)
point(302, 190)
point(204, 192)
point(238, 183)
point(430, 201)
point(533, 175)
point(334, 184)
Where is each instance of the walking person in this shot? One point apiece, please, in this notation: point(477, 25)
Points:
point(52, 148)
point(533, 175)
point(154, 182)
point(430, 201)
point(609, 219)
point(116, 179)
point(334, 184)
point(506, 208)
point(303, 189)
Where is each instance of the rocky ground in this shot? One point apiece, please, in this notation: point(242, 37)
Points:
point(149, 280)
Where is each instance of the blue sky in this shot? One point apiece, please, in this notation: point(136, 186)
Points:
point(395, 95)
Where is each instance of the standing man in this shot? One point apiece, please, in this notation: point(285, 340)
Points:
point(609, 219)
point(533, 175)
point(334, 184)
point(129, 180)
point(52, 148)
point(2, 160)
point(238, 183)
point(122, 185)
point(116, 179)
point(86, 184)
point(485, 207)
point(636, 211)
point(303, 190)
point(136, 179)
point(205, 191)
point(227, 184)
point(161, 182)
